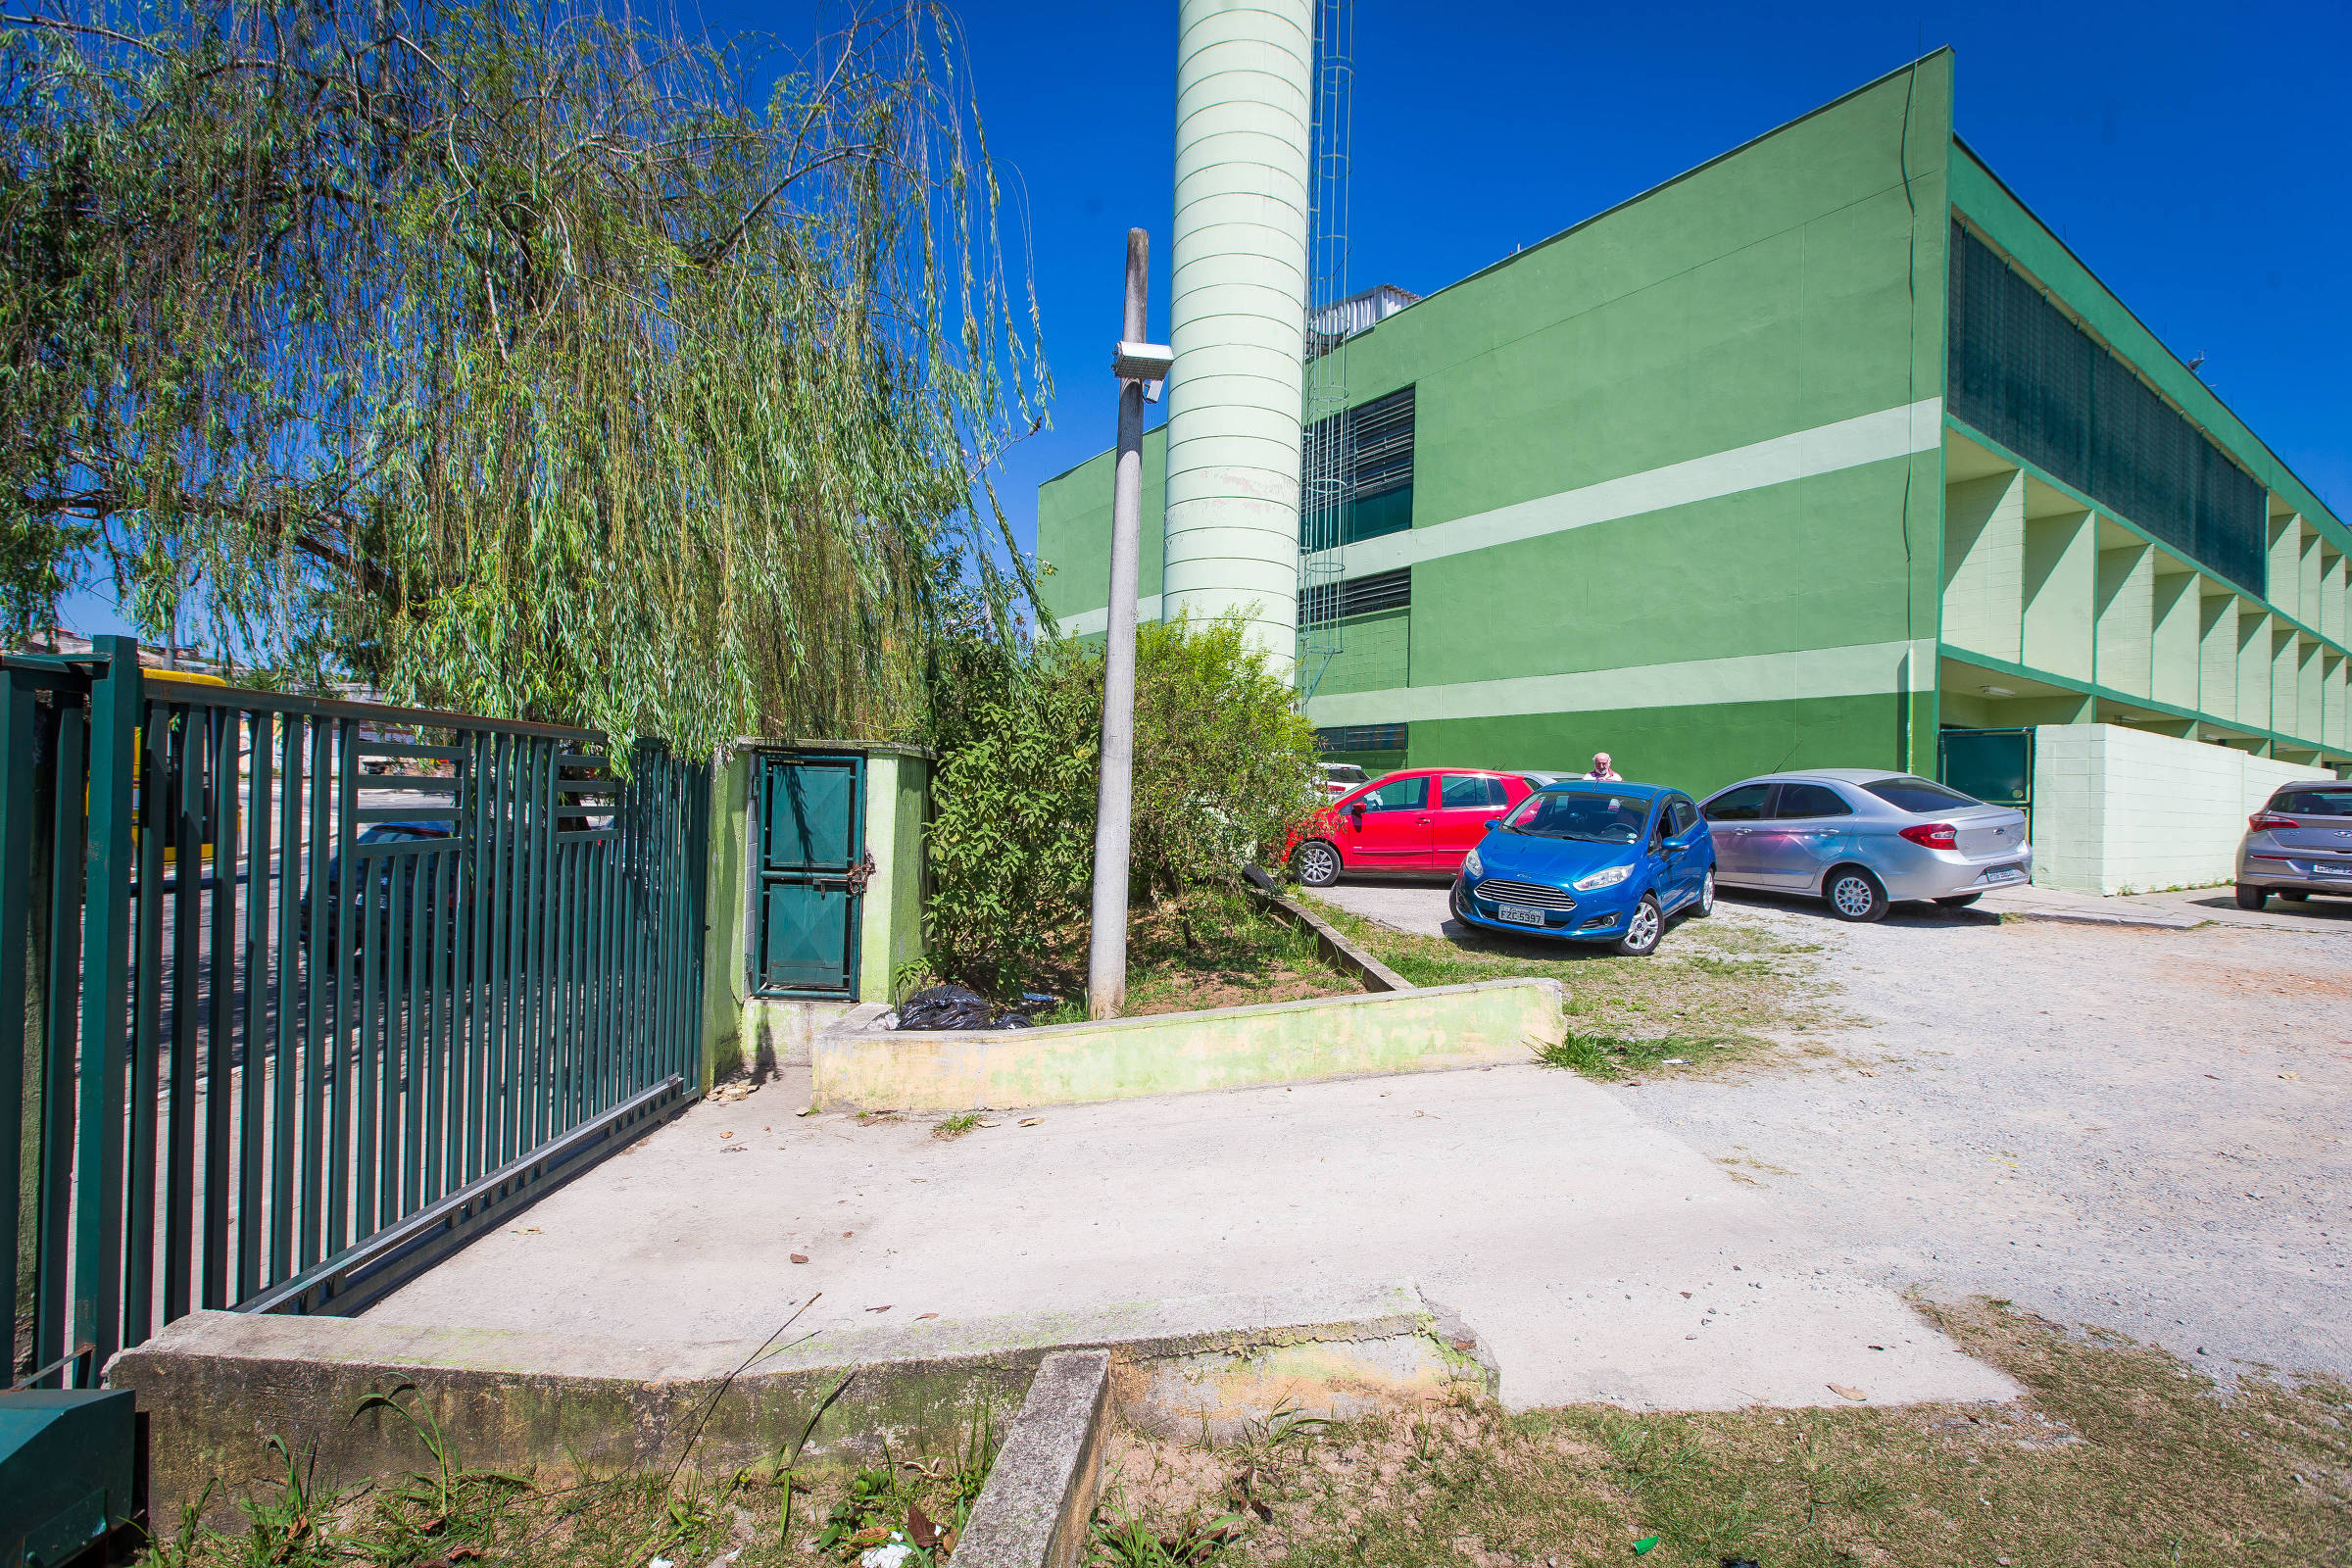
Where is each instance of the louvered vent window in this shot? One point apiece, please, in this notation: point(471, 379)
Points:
point(1356, 596)
point(2023, 372)
point(1363, 738)
point(1375, 494)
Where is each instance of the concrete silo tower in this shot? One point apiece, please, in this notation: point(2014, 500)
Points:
point(1237, 311)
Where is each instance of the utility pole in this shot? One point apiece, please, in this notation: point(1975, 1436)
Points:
point(1141, 366)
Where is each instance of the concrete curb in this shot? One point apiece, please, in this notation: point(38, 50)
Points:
point(2146, 922)
point(217, 1386)
point(1375, 975)
point(1423, 1029)
point(1036, 1510)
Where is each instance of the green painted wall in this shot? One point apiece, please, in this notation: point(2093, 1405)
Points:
point(891, 924)
point(1762, 293)
point(1810, 564)
point(1375, 654)
point(1073, 529)
point(726, 937)
point(1698, 748)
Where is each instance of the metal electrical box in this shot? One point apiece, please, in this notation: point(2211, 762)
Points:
point(66, 1461)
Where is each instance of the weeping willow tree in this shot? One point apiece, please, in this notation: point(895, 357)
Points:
point(518, 358)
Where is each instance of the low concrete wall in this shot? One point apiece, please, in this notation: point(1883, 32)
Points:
point(2120, 810)
point(1039, 1502)
point(217, 1386)
point(779, 1032)
point(1289, 1042)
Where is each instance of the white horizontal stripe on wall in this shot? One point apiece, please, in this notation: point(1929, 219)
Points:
point(1086, 622)
point(1802, 454)
point(1856, 670)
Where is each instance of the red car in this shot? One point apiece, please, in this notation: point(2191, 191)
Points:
point(1424, 819)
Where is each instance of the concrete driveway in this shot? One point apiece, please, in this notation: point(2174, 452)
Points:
point(2140, 1128)
point(1597, 1256)
point(2137, 1128)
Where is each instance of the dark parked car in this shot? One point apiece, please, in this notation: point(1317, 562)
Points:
point(348, 914)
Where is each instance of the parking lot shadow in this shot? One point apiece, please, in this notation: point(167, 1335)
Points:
point(1905, 912)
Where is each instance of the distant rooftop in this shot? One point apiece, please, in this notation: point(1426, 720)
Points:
point(1335, 325)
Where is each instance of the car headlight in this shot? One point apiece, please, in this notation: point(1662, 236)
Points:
point(1473, 865)
point(1606, 877)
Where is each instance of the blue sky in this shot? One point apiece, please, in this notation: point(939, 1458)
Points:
point(2194, 157)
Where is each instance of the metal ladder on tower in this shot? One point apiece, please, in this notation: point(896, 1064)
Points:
point(1326, 456)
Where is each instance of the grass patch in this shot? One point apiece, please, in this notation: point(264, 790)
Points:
point(1216, 952)
point(954, 1127)
point(1718, 992)
point(2119, 1455)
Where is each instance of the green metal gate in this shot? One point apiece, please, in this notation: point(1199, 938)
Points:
point(810, 851)
point(312, 990)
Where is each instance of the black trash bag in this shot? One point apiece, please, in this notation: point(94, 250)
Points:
point(1014, 1020)
point(947, 1007)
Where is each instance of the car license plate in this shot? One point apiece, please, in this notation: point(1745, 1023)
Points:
point(1518, 915)
point(2006, 874)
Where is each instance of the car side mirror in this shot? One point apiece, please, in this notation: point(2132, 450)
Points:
point(1493, 823)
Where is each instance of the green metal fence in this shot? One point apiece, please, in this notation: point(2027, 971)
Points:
point(312, 990)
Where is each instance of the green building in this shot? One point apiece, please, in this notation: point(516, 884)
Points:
point(1823, 449)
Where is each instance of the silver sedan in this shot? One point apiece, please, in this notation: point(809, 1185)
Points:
point(1863, 838)
point(2299, 843)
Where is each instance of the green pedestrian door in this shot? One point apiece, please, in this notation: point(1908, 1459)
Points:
point(809, 852)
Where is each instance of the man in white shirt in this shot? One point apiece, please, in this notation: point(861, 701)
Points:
point(1601, 769)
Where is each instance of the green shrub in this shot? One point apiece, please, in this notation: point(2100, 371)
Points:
point(1224, 760)
point(1224, 764)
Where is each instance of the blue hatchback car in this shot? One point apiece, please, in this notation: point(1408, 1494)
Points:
point(1593, 863)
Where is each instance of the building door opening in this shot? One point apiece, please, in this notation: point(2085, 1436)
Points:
point(1995, 766)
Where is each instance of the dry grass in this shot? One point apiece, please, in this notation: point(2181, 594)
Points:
point(2119, 1456)
point(1720, 993)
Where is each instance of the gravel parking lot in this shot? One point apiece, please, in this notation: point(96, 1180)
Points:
point(2138, 1129)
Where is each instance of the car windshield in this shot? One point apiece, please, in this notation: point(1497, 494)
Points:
point(1595, 818)
point(1908, 794)
point(1344, 774)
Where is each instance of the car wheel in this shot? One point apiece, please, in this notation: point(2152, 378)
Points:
point(1317, 864)
point(2252, 898)
point(1958, 900)
point(2293, 898)
point(1854, 895)
point(1643, 930)
point(1706, 896)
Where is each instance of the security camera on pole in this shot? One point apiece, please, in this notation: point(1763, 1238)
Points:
point(1141, 367)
